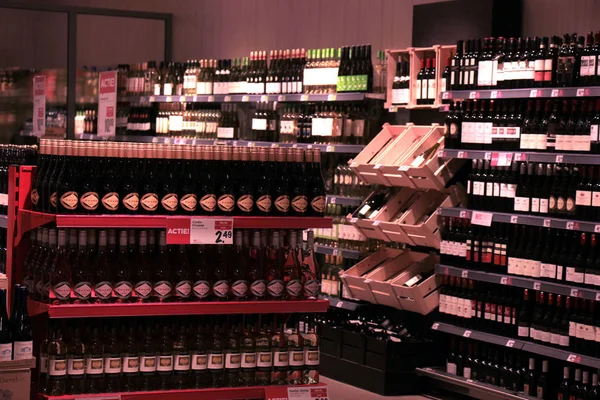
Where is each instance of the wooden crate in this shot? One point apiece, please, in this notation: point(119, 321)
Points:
point(354, 278)
point(424, 297)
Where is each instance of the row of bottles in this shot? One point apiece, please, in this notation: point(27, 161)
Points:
point(131, 178)
point(91, 267)
point(564, 322)
point(11, 154)
point(563, 190)
point(526, 62)
point(145, 354)
point(551, 125)
point(521, 372)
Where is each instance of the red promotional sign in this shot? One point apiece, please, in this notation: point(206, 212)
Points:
point(107, 103)
point(178, 231)
point(39, 105)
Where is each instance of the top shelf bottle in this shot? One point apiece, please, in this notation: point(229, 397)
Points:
point(524, 67)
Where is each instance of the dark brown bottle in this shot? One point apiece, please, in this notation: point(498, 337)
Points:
point(143, 273)
point(108, 190)
point(131, 361)
point(123, 287)
point(112, 362)
point(220, 280)
point(274, 271)
point(82, 272)
point(239, 270)
point(60, 273)
point(148, 357)
point(257, 269)
point(164, 363)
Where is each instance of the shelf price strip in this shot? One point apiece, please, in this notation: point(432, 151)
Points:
point(297, 393)
point(200, 231)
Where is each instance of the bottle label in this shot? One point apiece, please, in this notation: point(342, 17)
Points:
point(131, 365)
point(89, 201)
point(216, 361)
point(226, 202)
point(170, 202)
point(69, 200)
point(208, 202)
point(311, 356)
point(112, 365)
point(245, 203)
point(83, 290)
point(282, 203)
point(199, 362)
point(163, 289)
point(294, 288)
point(451, 368)
point(281, 358)
point(265, 359)
point(264, 203)
point(94, 366)
point(23, 350)
point(564, 341)
point(240, 288)
point(311, 288)
point(143, 289)
point(75, 366)
point(318, 204)
point(201, 289)
point(296, 357)
point(55, 367)
point(275, 288)
point(35, 197)
point(182, 362)
point(150, 201)
point(183, 289)
point(165, 363)
point(248, 360)
point(189, 202)
point(523, 331)
point(583, 198)
point(233, 360)
point(110, 201)
point(132, 201)
point(147, 363)
point(221, 288)
point(123, 289)
point(299, 204)
point(62, 291)
point(103, 290)
point(258, 288)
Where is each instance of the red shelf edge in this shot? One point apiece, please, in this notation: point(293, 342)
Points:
point(166, 309)
point(252, 392)
point(33, 219)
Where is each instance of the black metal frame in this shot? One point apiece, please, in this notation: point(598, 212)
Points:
point(72, 13)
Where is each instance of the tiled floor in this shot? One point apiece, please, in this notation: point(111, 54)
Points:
point(341, 391)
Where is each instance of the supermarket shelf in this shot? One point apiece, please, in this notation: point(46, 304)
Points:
point(238, 393)
point(243, 98)
point(324, 147)
point(344, 201)
point(160, 221)
point(3, 221)
point(473, 389)
point(524, 219)
point(176, 308)
point(518, 344)
point(352, 254)
point(518, 281)
point(564, 158)
point(341, 303)
point(523, 93)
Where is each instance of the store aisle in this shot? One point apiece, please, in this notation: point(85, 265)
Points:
point(342, 391)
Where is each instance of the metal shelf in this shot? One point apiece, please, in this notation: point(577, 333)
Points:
point(542, 350)
point(352, 254)
point(518, 281)
point(324, 147)
point(344, 201)
point(176, 308)
point(469, 387)
point(564, 158)
point(524, 219)
point(244, 98)
point(591, 91)
point(341, 303)
point(237, 393)
point(160, 221)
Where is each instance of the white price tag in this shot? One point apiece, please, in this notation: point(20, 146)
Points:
point(574, 292)
point(464, 273)
point(570, 225)
point(441, 154)
point(227, 99)
point(182, 99)
point(211, 231)
point(335, 252)
point(211, 99)
point(504, 280)
point(554, 93)
point(107, 103)
point(152, 99)
point(245, 98)
point(333, 200)
point(330, 149)
point(514, 219)
point(472, 95)
point(547, 223)
point(353, 220)
point(596, 228)
point(281, 98)
point(494, 94)
point(537, 285)
point(445, 96)
point(392, 109)
point(435, 326)
point(559, 158)
point(464, 214)
point(482, 218)
point(597, 296)
point(533, 93)
point(353, 165)
point(304, 97)
point(376, 223)
point(331, 97)
point(460, 154)
point(467, 334)
point(510, 343)
point(194, 99)
point(340, 304)
point(580, 92)
point(264, 98)
point(303, 393)
point(574, 358)
point(487, 155)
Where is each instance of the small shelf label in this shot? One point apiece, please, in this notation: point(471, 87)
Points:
point(467, 334)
